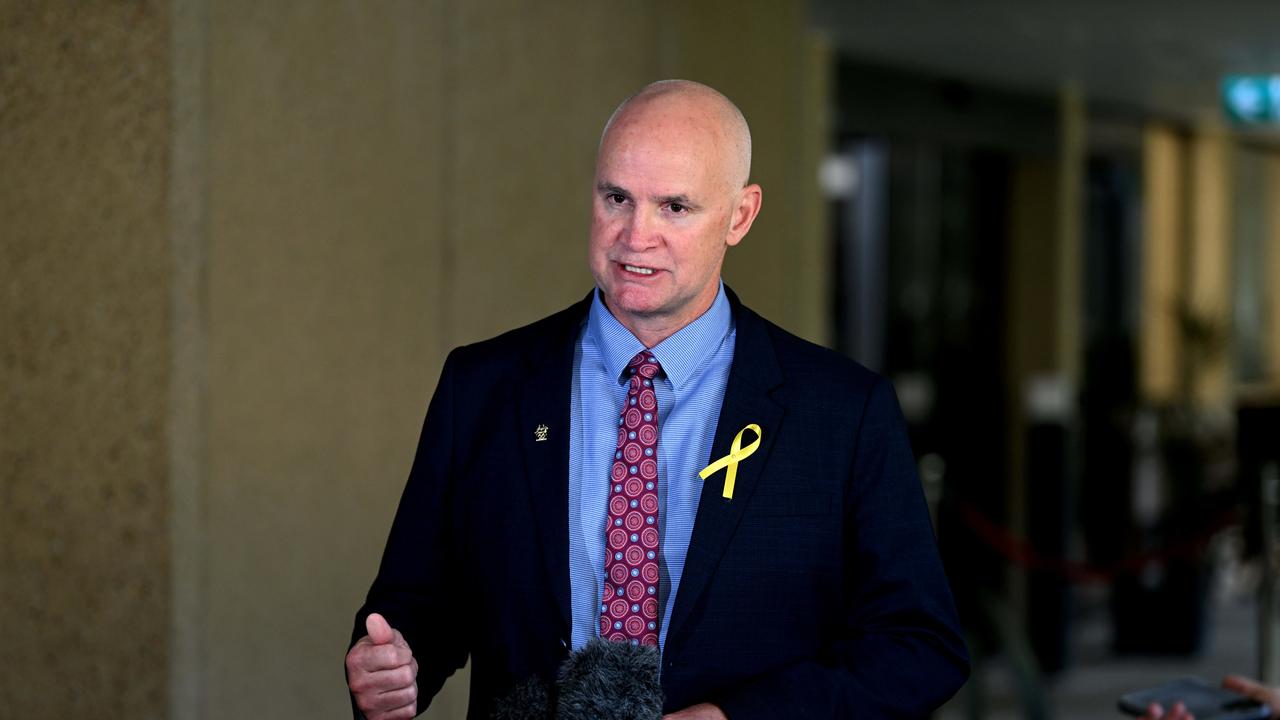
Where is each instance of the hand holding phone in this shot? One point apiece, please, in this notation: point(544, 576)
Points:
point(1200, 699)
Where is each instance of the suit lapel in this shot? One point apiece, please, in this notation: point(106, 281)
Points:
point(543, 402)
point(752, 377)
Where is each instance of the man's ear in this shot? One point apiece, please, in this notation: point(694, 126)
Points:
point(744, 213)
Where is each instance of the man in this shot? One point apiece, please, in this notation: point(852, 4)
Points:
point(558, 491)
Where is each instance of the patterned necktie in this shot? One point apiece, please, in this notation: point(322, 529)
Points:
point(629, 610)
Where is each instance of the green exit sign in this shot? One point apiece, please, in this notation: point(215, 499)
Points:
point(1252, 98)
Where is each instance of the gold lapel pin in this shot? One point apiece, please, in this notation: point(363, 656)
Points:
point(540, 433)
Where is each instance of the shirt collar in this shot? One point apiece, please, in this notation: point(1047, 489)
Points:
point(679, 355)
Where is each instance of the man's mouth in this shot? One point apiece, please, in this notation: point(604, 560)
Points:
point(638, 269)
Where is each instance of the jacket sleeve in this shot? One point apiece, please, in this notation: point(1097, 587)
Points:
point(415, 589)
point(899, 652)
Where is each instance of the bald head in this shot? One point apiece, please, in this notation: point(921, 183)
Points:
point(671, 197)
point(699, 106)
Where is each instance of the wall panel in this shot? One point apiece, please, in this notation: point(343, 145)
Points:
point(324, 282)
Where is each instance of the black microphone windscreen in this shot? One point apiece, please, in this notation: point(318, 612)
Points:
point(604, 679)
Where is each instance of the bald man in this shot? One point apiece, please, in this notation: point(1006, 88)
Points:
point(659, 465)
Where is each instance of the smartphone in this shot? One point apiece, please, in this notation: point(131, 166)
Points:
point(1205, 701)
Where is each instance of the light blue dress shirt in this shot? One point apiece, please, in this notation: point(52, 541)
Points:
point(695, 369)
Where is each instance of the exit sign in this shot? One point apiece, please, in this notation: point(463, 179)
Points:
point(1252, 98)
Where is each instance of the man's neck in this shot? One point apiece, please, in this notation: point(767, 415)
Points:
point(651, 336)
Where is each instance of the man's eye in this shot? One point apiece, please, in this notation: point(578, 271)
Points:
point(677, 208)
point(616, 198)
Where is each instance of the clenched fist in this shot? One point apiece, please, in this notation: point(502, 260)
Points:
point(382, 674)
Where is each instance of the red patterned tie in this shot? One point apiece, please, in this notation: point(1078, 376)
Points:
point(629, 610)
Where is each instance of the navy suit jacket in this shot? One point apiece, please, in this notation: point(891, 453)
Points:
point(816, 591)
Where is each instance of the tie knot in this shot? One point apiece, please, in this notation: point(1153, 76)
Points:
point(643, 364)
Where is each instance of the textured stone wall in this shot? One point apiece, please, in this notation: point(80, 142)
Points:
point(84, 353)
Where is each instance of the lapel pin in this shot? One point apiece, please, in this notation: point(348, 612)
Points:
point(540, 433)
point(729, 462)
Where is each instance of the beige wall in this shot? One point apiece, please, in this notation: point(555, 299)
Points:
point(239, 239)
point(84, 359)
point(324, 279)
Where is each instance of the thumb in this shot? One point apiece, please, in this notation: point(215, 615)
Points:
point(379, 630)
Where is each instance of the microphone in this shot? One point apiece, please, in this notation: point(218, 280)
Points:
point(604, 679)
point(615, 680)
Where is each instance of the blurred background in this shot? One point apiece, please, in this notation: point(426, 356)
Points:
point(238, 238)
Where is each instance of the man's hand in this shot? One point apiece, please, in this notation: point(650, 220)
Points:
point(382, 673)
point(1250, 689)
point(705, 711)
point(1254, 691)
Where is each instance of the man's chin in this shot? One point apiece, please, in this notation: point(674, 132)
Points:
point(641, 305)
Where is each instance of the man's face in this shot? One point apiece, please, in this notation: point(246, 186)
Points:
point(661, 218)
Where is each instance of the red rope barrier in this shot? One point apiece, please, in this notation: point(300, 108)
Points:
point(1020, 552)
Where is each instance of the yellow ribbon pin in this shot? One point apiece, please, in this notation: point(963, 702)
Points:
point(737, 454)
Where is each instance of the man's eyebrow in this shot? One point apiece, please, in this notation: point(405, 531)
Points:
point(676, 199)
point(608, 188)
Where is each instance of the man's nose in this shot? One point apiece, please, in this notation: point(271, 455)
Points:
point(639, 232)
